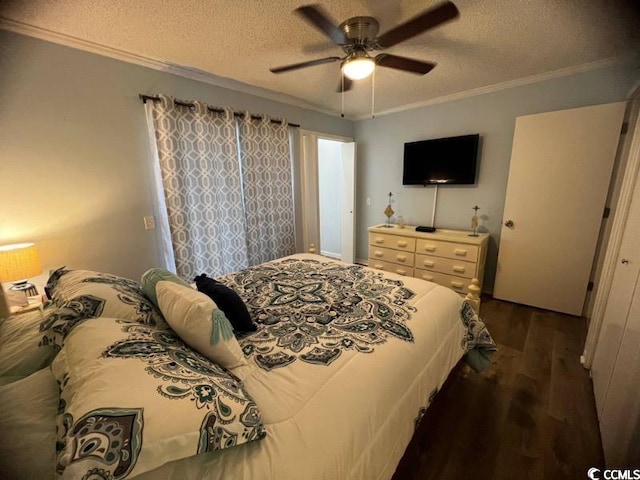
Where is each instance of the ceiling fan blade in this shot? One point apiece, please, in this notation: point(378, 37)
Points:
point(316, 16)
point(421, 23)
point(310, 63)
point(403, 63)
point(345, 84)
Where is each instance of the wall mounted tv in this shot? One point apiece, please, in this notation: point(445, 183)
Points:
point(442, 161)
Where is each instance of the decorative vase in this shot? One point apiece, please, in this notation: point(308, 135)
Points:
point(389, 212)
point(474, 222)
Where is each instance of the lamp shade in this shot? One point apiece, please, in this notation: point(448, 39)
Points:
point(19, 262)
point(358, 66)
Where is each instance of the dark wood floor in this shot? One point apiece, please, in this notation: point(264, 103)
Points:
point(530, 415)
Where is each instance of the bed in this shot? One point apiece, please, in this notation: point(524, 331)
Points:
point(332, 385)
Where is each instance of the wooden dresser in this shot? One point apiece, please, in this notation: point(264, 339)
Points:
point(447, 257)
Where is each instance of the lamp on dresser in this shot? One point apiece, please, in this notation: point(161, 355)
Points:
point(18, 262)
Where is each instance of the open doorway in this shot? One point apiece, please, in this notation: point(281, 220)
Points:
point(328, 195)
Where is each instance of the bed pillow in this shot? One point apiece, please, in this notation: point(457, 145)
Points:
point(199, 323)
point(102, 295)
point(228, 301)
point(136, 397)
point(20, 351)
point(59, 322)
point(151, 277)
point(28, 423)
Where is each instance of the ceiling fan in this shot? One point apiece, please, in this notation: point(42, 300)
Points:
point(357, 37)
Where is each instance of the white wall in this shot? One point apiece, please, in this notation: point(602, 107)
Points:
point(381, 141)
point(74, 150)
point(330, 196)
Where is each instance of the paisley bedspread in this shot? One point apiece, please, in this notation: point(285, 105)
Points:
point(344, 361)
point(312, 311)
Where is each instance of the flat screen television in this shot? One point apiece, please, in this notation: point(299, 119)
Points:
point(441, 161)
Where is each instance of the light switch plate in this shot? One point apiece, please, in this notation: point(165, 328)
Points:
point(149, 223)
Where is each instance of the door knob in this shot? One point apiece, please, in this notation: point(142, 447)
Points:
point(508, 224)
point(624, 261)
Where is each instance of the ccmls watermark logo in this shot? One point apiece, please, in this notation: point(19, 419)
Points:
point(611, 474)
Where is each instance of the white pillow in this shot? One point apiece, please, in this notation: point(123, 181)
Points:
point(28, 426)
point(97, 294)
point(80, 295)
point(136, 397)
point(199, 323)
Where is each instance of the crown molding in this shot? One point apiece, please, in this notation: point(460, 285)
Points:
point(519, 82)
point(155, 64)
point(225, 82)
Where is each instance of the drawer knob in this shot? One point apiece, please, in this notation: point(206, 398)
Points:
point(402, 244)
point(379, 240)
point(378, 266)
point(401, 258)
point(457, 285)
point(430, 248)
point(460, 252)
point(401, 271)
point(378, 254)
point(427, 277)
point(458, 269)
point(428, 263)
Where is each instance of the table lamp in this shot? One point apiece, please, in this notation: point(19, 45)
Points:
point(17, 263)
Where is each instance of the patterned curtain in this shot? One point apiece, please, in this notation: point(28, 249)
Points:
point(198, 155)
point(267, 188)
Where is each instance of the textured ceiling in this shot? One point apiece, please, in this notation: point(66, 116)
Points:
point(493, 41)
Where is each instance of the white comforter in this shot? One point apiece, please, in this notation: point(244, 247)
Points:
point(351, 419)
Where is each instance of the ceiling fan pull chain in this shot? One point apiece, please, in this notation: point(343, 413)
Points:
point(342, 95)
point(373, 93)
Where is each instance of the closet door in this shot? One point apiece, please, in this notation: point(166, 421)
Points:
point(560, 170)
point(616, 364)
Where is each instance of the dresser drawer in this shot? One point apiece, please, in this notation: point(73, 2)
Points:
point(457, 284)
point(391, 267)
point(392, 241)
point(389, 255)
point(446, 265)
point(447, 249)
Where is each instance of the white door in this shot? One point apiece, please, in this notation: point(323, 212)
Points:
point(309, 192)
point(616, 364)
point(348, 202)
point(561, 165)
point(311, 208)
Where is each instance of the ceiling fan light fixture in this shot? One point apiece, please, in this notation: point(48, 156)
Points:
point(359, 66)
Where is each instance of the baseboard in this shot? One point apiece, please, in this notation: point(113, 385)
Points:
point(337, 256)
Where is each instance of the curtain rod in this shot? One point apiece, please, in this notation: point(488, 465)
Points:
point(144, 99)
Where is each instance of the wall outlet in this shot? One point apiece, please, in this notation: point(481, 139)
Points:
point(368, 200)
point(149, 223)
